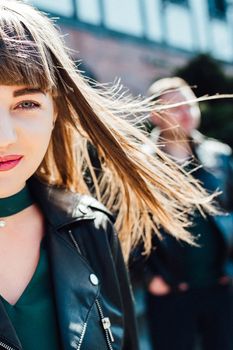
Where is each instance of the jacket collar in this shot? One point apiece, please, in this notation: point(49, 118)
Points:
point(68, 267)
point(74, 302)
point(60, 206)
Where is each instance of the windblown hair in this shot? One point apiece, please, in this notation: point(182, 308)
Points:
point(143, 191)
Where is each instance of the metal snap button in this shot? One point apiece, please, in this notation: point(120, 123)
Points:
point(94, 279)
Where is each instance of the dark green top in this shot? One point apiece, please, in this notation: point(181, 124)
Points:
point(202, 264)
point(34, 314)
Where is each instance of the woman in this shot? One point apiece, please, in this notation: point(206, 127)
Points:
point(63, 281)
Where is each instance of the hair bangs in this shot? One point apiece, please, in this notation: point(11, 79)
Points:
point(24, 59)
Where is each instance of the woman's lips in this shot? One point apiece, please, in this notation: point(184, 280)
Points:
point(9, 162)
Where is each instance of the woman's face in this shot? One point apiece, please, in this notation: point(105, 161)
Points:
point(26, 123)
point(182, 119)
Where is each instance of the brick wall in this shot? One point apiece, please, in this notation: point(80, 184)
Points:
point(136, 63)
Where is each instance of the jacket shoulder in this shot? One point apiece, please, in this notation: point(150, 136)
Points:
point(87, 203)
point(211, 145)
point(217, 147)
point(102, 221)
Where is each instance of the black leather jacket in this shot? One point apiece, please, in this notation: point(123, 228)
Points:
point(90, 281)
point(216, 173)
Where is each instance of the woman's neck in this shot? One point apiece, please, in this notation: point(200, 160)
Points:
point(29, 219)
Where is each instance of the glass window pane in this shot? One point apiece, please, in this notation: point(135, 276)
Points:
point(178, 23)
point(154, 24)
point(61, 7)
point(89, 11)
point(123, 16)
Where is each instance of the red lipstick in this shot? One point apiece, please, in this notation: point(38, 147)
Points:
point(9, 162)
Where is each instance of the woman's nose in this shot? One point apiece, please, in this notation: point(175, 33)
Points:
point(7, 130)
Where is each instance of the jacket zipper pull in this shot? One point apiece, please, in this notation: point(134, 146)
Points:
point(107, 325)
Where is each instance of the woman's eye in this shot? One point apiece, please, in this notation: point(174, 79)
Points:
point(27, 105)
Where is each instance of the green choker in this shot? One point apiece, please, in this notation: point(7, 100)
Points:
point(14, 204)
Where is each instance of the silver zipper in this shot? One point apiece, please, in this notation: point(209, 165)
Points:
point(82, 336)
point(106, 325)
point(74, 241)
point(85, 324)
point(7, 347)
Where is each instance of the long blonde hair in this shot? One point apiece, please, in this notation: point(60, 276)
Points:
point(143, 191)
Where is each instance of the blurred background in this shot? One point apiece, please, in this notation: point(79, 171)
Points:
point(140, 41)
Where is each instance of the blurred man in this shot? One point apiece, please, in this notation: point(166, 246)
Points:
point(190, 288)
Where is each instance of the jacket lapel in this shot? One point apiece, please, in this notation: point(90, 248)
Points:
point(8, 335)
point(75, 295)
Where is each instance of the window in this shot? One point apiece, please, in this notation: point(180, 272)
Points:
point(123, 16)
point(89, 11)
point(62, 7)
point(217, 8)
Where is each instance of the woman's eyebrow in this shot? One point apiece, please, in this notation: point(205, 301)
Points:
point(27, 91)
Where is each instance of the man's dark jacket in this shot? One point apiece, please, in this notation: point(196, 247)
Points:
point(216, 173)
point(89, 277)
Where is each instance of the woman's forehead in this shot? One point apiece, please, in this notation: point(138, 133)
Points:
point(21, 90)
point(20, 66)
point(181, 95)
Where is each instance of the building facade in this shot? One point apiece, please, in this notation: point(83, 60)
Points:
point(141, 40)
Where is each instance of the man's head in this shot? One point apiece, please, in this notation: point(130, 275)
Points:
point(184, 117)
